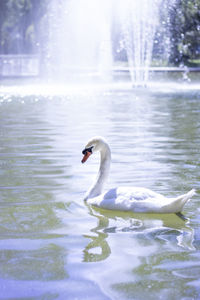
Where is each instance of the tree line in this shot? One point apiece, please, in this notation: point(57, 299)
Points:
point(20, 24)
point(24, 23)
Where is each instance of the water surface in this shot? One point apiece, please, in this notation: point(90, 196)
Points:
point(54, 246)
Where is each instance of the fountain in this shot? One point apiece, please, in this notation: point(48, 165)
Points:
point(81, 39)
point(92, 36)
point(139, 22)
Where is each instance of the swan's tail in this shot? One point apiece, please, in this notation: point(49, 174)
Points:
point(178, 203)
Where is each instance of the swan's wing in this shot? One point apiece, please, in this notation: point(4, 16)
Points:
point(138, 194)
point(129, 199)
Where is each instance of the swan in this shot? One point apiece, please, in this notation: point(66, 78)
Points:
point(133, 199)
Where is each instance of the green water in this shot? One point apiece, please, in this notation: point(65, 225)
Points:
point(52, 245)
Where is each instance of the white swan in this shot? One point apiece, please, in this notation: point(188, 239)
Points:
point(133, 199)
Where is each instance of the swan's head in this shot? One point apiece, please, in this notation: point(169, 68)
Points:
point(95, 144)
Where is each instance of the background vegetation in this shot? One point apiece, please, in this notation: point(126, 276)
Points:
point(24, 23)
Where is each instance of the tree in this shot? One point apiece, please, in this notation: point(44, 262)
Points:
point(3, 6)
point(20, 25)
point(185, 31)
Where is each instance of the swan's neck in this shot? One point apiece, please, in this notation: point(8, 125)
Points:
point(105, 159)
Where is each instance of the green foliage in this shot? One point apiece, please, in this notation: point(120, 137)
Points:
point(185, 31)
point(23, 28)
point(19, 29)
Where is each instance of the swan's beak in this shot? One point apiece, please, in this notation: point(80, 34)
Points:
point(86, 156)
point(86, 152)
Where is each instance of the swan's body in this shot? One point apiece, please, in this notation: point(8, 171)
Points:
point(133, 199)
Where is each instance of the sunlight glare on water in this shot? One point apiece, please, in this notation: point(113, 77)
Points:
point(54, 246)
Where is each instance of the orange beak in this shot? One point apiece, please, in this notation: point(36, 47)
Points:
point(86, 156)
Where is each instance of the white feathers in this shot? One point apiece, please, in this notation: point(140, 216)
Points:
point(133, 199)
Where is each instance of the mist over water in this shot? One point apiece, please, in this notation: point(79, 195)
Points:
point(96, 37)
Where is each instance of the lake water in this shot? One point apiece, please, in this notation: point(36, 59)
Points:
point(54, 246)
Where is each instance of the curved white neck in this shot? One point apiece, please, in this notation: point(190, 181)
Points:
point(105, 159)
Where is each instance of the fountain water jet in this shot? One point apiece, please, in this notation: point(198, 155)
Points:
point(82, 39)
point(139, 22)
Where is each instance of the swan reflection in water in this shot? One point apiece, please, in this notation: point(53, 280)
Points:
point(162, 228)
point(98, 240)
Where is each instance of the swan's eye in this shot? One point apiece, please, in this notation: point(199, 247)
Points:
point(87, 150)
